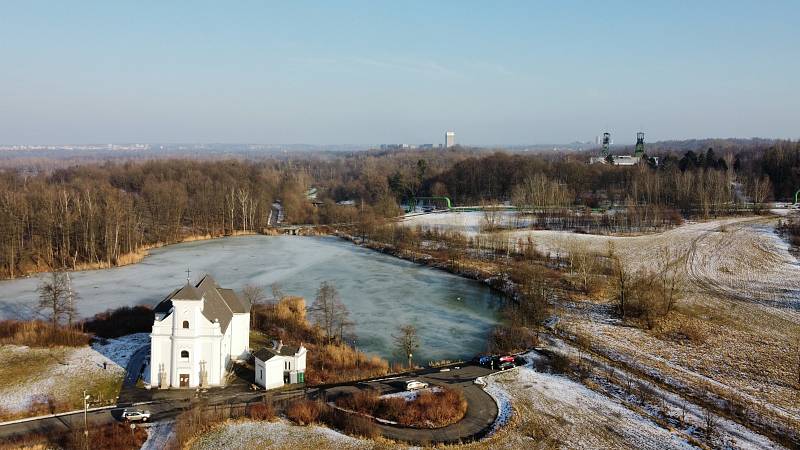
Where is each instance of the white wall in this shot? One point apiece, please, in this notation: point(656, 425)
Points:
point(240, 336)
point(273, 373)
point(202, 340)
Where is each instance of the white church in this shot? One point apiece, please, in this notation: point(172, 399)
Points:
point(197, 332)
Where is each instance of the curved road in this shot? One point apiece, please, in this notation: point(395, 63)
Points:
point(481, 407)
point(481, 411)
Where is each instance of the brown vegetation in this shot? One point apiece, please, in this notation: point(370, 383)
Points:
point(430, 409)
point(307, 412)
point(201, 418)
point(112, 436)
point(262, 411)
point(40, 334)
point(304, 412)
point(120, 322)
point(328, 360)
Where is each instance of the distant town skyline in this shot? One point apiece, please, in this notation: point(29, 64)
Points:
point(363, 73)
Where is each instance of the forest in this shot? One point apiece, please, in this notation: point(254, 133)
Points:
point(99, 214)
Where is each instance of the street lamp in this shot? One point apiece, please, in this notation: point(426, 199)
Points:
point(85, 420)
point(409, 361)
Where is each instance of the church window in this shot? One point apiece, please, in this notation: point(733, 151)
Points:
point(185, 354)
point(185, 324)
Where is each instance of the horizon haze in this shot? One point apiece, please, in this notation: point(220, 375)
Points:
point(359, 73)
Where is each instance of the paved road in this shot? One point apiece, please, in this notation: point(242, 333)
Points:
point(161, 410)
point(167, 404)
point(135, 366)
point(481, 409)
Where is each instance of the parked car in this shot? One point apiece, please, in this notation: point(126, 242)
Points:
point(506, 359)
point(414, 385)
point(484, 360)
point(506, 365)
point(135, 415)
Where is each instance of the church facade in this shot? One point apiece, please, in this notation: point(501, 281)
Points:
point(197, 332)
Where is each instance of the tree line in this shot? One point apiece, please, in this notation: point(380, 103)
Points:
point(97, 215)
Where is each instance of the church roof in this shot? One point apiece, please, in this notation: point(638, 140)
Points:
point(187, 293)
point(219, 304)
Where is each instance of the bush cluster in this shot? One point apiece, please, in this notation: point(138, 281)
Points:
point(37, 333)
point(430, 409)
point(121, 322)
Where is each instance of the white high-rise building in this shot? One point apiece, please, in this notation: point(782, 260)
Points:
point(449, 139)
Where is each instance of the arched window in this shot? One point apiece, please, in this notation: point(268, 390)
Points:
point(185, 354)
point(185, 324)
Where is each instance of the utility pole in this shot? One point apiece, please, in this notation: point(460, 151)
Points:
point(85, 419)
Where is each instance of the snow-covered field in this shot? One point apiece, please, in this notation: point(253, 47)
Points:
point(742, 296)
point(29, 375)
point(551, 411)
point(741, 258)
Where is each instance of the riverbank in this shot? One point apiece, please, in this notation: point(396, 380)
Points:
point(473, 270)
point(127, 259)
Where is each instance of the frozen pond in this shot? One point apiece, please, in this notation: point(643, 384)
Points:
point(453, 315)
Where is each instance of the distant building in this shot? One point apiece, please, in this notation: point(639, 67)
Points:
point(625, 160)
point(449, 139)
point(617, 160)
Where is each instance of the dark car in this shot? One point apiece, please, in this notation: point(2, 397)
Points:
point(507, 365)
point(485, 360)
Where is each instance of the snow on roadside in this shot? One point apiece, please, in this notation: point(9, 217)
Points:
point(120, 350)
point(410, 395)
point(158, 435)
point(501, 398)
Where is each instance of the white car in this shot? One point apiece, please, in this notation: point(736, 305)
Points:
point(414, 385)
point(134, 415)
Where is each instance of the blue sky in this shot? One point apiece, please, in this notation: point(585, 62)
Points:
point(386, 72)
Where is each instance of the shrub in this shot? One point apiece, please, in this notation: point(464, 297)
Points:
point(430, 409)
point(37, 333)
point(262, 411)
point(303, 412)
point(508, 339)
point(331, 363)
point(116, 436)
point(366, 402)
point(121, 322)
point(350, 424)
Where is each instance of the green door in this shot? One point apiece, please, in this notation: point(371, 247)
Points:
point(301, 377)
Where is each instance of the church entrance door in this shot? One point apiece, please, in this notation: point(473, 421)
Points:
point(184, 377)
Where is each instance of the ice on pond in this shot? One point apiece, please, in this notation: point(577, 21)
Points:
point(453, 315)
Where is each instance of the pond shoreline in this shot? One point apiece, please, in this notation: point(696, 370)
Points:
point(502, 286)
point(133, 257)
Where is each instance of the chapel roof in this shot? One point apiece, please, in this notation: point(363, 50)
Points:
point(219, 304)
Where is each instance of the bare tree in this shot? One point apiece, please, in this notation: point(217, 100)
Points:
point(277, 292)
point(759, 191)
point(671, 277)
point(583, 262)
point(621, 277)
point(254, 295)
point(328, 312)
point(492, 217)
point(55, 297)
point(406, 342)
